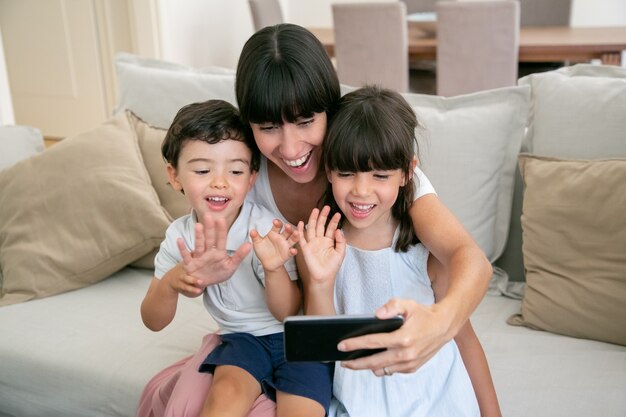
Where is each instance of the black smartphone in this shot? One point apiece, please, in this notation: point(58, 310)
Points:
point(315, 338)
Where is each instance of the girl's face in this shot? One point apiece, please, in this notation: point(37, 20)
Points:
point(366, 198)
point(293, 147)
point(214, 177)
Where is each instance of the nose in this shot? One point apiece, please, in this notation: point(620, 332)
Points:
point(219, 181)
point(289, 146)
point(361, 185)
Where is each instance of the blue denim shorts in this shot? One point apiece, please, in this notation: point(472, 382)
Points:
point(263, 357)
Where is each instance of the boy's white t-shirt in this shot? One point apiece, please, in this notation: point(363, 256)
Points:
point(237, 304)
point(262, 191)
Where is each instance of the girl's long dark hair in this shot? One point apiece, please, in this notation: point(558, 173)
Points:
point(374, 129)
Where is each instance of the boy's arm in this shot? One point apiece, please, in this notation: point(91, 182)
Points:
point(282, 295)
point(159, 304)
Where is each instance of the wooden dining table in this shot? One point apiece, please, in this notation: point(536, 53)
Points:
point(536, 44)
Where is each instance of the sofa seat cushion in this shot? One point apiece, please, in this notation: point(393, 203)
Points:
point(86, 353)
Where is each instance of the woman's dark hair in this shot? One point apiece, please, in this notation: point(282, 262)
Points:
point(210, 121)
point(285, 72)
point(374, 129)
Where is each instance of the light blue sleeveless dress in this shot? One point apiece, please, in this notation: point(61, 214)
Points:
point(441, 387)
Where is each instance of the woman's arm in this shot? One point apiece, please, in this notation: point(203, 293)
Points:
point(428, 328)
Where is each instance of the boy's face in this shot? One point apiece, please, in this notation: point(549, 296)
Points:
point(215, 178)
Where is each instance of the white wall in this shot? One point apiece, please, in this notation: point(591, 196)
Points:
point(212, 32)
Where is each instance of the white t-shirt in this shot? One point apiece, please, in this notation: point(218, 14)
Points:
point(237, 304)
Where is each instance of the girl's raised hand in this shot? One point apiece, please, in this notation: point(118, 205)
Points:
point(323, 247)
point(276, 247)
point(209, 263)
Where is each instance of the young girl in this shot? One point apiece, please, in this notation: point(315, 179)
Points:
point(369, 254)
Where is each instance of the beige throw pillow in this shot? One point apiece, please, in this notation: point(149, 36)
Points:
point(574, 247)
point(76, 213)
point(150, 139)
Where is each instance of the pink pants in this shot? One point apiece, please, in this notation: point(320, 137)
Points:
point(180, 390)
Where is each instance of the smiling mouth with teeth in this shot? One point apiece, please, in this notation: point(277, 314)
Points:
point(362, 207)
point(218, 200)
point(297, 163)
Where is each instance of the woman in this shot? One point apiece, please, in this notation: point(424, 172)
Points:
point(287, 89)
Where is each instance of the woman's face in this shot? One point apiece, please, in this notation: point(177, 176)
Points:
point(293, 147)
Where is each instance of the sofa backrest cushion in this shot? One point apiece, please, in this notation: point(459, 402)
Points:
point(575, 112)
point(469, 152)
point(155, 90)
point(574, 245)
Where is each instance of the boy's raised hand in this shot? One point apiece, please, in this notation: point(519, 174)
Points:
point(276, 247)
point(323, 247)
point(209, 263)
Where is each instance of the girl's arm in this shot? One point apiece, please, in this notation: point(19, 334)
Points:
point(478, 370)
point(322, 249)
point(470, 349)
point(428, 328)
point(282, 295)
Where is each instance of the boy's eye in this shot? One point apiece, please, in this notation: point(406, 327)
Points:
point(201, 171)
point(236, 172)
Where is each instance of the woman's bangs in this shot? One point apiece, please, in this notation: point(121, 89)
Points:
point(276, 95)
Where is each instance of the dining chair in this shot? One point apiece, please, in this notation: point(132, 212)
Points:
point(545, 12)
point(265, 13)
point(371, 44)
point(419, 6)
point(477, 45)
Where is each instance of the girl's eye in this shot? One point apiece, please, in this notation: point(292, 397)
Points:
point(381, 176)
point(344, 174)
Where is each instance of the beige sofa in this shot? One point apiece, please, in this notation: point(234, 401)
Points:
point(80, 221)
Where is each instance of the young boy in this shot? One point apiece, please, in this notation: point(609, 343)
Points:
point(213, 160)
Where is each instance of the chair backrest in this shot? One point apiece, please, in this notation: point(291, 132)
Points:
point(265, 13)
point(477, 45)
point(419, 6)
point(371, 44)
point(545, 12)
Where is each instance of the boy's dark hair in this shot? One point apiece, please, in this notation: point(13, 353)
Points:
point(210, 121)
point(374, 129)
point(285, 72)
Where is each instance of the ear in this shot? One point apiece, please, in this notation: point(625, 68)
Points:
point(414, 163)
point(253, 177)
point(172, 177)
point(329, 175)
